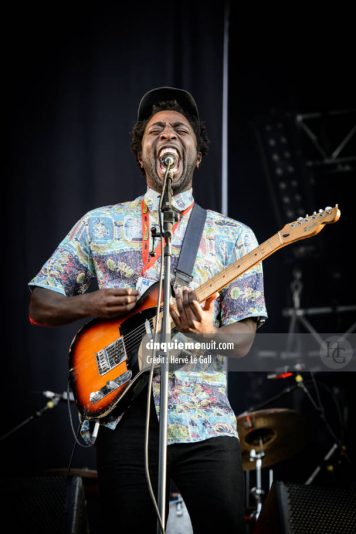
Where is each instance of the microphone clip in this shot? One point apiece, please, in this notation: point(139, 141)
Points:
point(155, 235)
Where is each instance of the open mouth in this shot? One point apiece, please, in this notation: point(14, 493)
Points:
point(172, 151)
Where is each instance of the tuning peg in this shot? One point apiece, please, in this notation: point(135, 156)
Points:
point(328, 208)
point(321, 211)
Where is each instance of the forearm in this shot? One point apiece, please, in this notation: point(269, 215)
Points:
point(48, 307)
point(238, 336)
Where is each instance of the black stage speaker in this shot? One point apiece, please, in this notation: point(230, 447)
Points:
point(298, 509)
point(43, 505)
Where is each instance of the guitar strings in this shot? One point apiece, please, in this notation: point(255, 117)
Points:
point(134, 338)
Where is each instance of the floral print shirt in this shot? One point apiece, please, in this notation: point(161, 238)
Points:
point(106, 244)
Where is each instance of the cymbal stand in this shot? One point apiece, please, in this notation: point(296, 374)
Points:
point(257, 491)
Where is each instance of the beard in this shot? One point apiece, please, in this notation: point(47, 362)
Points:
point(183, 182)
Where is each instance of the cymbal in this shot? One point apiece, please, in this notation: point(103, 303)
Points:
point(278, 432)
point(83, 472)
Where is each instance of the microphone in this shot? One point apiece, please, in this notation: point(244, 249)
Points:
point(61, 396)
point(169, 159)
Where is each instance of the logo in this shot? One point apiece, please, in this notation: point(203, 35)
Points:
point(336, 352)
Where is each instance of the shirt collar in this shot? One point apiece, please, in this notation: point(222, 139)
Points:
point(181, 201)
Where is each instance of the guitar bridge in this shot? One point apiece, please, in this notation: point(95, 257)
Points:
point(111, 356)
point(110, 386)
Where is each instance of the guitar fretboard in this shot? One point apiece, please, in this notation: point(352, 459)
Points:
point(240, 266)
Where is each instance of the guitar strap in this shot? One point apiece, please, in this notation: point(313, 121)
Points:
point(190, 245)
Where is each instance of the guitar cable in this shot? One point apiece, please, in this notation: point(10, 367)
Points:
point(76, 433)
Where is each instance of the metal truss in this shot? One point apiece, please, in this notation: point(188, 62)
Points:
point(328, 140)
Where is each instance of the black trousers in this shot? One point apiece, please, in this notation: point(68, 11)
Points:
point(208, 474)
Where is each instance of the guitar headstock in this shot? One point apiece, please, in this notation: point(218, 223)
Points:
point(309, 225)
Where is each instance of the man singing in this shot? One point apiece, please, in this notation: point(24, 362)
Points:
point(112, 245)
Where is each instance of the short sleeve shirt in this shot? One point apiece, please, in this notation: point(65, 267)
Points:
point(106, 245)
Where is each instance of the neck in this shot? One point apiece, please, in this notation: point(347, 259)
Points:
point(175, 191)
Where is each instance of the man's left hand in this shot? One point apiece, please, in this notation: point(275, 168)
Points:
point(190, 316)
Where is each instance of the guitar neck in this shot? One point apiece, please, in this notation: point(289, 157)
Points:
point(240, 266)
point(290, 233)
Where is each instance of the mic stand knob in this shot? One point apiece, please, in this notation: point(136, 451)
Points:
point(155, 235)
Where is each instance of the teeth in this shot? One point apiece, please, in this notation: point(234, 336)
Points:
point(168, 150)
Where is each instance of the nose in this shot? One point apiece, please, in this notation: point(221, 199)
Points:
point(168, 132)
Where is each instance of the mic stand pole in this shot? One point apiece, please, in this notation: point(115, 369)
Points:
point(261, 405)
point(317, 470)
point(48, 406)
point(168, 220)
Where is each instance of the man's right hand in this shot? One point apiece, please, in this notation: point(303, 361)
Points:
point(50, 308)
point(109, 303)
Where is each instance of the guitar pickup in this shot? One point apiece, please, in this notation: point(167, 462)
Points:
point(110, 386)
point(111, 356)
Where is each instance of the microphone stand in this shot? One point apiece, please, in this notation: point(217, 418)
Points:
point(48, 406)
point(168, 220)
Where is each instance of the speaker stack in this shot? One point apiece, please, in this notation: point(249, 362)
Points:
point(44, 505)
point(302, 509)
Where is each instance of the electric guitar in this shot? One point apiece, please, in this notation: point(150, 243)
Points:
point(105, 370)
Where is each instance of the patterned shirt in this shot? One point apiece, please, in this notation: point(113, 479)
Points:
point(106, 244)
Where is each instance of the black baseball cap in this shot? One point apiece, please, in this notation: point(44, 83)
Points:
point(160, 94)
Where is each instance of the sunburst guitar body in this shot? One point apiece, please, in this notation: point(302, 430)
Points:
point(104, 367)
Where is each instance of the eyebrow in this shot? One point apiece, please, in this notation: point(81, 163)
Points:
point(174, 124)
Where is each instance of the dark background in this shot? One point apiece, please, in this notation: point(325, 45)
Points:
point(74, 78)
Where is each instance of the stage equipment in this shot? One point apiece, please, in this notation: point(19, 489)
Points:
point(55, 398)
point(297, 148)
point(43, 504)
point(266, 438)
point(297, 509)
point(278, 433)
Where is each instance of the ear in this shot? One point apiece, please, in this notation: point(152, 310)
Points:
point(139, 160)
point(199, 160)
